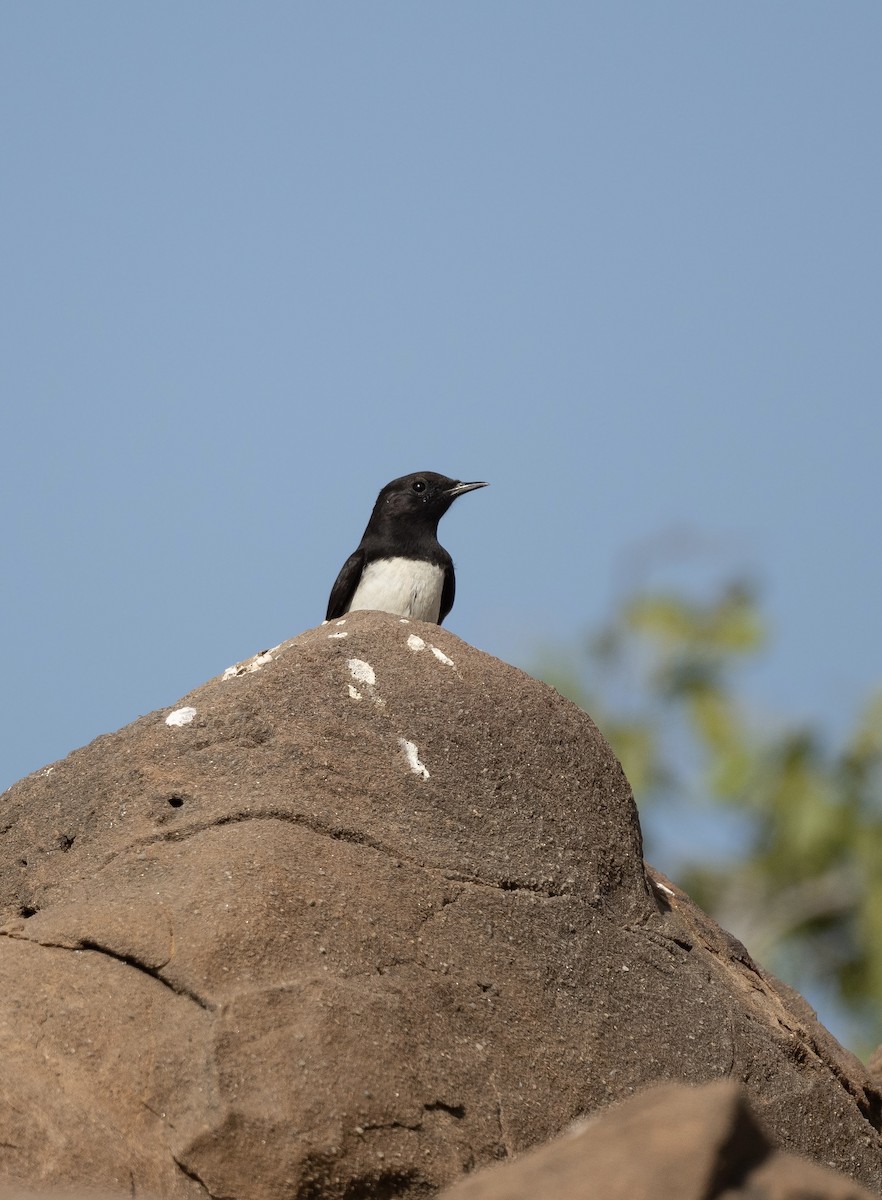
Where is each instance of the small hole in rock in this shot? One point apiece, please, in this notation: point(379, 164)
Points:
point(27, 910)
point(176, 801)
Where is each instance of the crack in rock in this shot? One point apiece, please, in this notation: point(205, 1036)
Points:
point(342, 834)
point(128, 960)
point(192, 1174)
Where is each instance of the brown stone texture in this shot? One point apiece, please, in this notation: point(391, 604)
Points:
point(372, 916)
point(671, 1142)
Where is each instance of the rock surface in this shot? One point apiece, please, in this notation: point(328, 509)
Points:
point(668, 1143)
point(356, 918)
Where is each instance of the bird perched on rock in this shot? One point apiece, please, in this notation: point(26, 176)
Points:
point(400, 566)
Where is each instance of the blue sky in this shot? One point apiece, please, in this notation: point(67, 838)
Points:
point(621, 260)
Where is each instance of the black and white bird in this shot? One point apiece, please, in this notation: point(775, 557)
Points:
point(400, 566)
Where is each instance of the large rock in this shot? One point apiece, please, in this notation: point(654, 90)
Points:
point(354, 920)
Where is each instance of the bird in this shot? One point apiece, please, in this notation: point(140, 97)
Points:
point(400, 566)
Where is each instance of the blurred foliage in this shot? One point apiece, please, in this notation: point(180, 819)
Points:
point(799, 876)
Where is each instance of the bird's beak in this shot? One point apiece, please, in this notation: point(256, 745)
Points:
point(460, 489)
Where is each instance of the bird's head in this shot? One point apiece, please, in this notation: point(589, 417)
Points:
point(424, 494)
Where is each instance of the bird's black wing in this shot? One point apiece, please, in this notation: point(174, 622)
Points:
point(447, 592)
point(345, 585)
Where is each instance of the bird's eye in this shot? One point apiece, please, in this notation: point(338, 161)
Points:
point(419, 485)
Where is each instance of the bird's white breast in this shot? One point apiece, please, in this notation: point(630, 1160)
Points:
point(404, 586)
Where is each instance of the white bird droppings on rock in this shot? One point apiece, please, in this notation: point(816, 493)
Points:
point(337, 635)
point(413, 759)
point(661, 887)
point(251, 664)
point(361, 671)
point(181, 716)
point(416, 644)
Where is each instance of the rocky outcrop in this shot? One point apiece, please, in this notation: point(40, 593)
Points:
point(355, 918)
